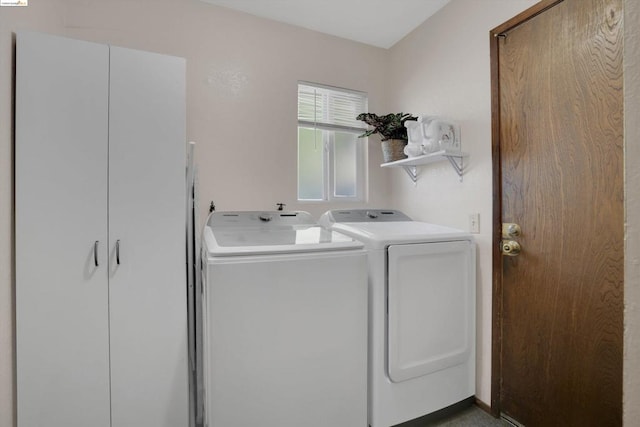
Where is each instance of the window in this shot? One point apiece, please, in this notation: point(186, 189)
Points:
point(331, 157)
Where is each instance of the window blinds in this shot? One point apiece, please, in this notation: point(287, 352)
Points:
point(323, 107)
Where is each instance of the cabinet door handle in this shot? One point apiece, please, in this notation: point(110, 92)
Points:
point(95, 253)
point(118, 251)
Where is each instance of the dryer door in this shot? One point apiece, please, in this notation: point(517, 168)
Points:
point(431, 291)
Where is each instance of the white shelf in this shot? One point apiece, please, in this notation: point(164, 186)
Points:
point(410, 164)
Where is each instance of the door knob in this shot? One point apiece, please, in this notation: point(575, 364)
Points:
point(510, 248)
point(510, 230)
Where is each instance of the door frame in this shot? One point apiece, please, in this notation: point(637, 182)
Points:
point(496, 333)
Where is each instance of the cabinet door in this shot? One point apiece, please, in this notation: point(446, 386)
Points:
point(61, 211)
point(147, 196)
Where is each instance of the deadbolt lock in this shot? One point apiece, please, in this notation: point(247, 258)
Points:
point(510, 229)
point(510, 248)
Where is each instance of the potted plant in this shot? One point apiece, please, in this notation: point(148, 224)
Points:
point(393, 134)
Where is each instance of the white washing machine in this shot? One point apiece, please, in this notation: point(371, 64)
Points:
point(285, 322)
point(421, 313)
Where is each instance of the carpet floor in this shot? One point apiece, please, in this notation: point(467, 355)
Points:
point(471, 417)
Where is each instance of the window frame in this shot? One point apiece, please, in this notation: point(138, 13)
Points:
point(328, 145)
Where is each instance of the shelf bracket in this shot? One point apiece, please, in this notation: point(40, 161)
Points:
point(458, 167)
point(410, 165)
point(412, 171)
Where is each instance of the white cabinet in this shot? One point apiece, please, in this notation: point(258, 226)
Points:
point(101, 323)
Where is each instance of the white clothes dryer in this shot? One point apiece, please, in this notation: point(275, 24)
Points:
point(285, 322)
point(421, 315)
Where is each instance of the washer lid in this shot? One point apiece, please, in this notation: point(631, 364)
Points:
point(253, 233)
point(381, 234)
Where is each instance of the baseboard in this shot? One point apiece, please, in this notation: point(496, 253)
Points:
point(486, 408)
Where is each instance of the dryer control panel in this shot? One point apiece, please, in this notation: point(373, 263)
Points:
point(364, 215)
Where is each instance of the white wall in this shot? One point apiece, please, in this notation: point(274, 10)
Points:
point(442, 68)
point(242, 75)
point(632, 206)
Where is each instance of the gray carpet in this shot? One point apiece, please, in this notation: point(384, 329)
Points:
point(472, 417)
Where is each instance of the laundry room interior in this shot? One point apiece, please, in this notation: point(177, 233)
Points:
point(242, 78)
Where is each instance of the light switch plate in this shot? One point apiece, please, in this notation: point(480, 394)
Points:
point(474, 223)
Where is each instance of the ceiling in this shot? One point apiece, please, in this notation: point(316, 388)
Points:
point(380, 23)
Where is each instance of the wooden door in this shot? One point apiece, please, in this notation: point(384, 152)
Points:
point(558, 144)
point(147, 224)
point(62, 329)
